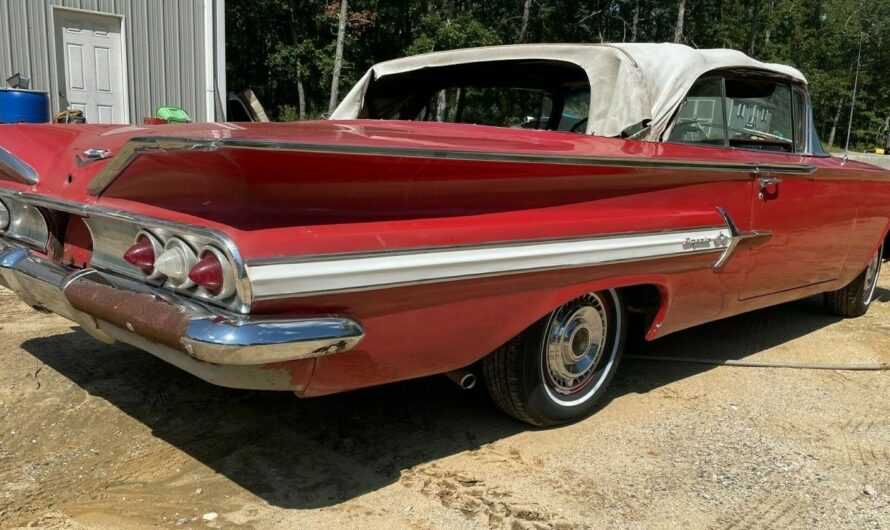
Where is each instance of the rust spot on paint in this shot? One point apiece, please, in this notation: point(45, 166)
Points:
point(143, 314)
point(332, 348)
point(299, 372)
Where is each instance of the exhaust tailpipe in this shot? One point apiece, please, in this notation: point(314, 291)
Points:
point(463, 378)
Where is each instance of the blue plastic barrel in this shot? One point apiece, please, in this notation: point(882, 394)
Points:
point(23, 106)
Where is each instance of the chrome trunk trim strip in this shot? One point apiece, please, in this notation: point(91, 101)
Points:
point(17, 168)
point(135, 147)
point(307, 276)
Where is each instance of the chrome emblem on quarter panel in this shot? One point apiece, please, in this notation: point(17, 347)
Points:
point(697, 243)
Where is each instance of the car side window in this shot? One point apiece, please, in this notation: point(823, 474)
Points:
point(800, 120)
point(700, 119)
point(752, 113)
point(760, 115)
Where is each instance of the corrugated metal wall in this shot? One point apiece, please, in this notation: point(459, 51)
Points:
point(163, 40)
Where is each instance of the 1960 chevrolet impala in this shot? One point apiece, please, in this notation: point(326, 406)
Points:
point(500, 210)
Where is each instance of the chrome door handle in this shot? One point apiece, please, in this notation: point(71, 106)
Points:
point(766, 182)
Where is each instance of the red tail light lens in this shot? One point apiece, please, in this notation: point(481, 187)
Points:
point(209, 273)
point(142, 255)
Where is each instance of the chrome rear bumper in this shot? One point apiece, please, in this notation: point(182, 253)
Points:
point(111, 308)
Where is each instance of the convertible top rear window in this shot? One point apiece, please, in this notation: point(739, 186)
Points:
point(530, 94)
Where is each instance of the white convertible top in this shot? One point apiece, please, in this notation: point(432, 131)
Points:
point(629, 83)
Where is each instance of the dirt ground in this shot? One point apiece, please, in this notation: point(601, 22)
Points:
point(109, 437)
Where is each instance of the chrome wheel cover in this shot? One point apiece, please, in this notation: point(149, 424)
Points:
point(578, 349)
point(871, 277)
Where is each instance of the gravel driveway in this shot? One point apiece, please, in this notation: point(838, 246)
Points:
point(95, 436)
point(878, 160)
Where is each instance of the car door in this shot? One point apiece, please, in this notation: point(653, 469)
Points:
point(804, 219)
point(810, 218)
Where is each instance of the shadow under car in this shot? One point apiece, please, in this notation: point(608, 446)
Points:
point(285, 449)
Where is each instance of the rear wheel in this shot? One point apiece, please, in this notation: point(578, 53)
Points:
point(854, 299)
point(557, 370)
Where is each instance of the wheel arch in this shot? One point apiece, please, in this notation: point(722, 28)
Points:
point(385, 356)
point(886, 252)
point(649, 302)
point(647, 298)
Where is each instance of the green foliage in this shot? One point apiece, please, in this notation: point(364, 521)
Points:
point(270, 41)
point(288, 113)
point(438, 32)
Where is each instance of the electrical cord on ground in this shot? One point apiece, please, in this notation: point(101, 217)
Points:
point(763, 364)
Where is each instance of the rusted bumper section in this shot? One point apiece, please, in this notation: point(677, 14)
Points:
point(217, 346)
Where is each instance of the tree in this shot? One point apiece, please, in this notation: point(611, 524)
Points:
point(287, 52)
point(338, 56)
point(755, 26)
point(636, 22)
point(526, 11)
point(681, 15)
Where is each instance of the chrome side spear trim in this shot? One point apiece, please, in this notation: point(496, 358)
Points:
point(736, 237)
point(325, 274)
point(299, 276)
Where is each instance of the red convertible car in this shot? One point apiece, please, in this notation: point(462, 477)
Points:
point(497, 211)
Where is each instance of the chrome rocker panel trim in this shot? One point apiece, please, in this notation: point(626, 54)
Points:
point(210, 335)
point(296, 277)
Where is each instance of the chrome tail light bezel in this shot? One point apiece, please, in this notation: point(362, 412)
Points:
point(189, 257)
point(25, 223)
point(157, 247)
point(164, 239)
point(228, 270)
point(5, 216)
point(113, 231)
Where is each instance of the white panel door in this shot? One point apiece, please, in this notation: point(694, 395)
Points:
point(90, 61)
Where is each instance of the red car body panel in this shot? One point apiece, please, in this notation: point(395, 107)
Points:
point(359, 186)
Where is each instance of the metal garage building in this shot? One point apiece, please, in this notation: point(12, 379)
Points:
point(118, 60)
